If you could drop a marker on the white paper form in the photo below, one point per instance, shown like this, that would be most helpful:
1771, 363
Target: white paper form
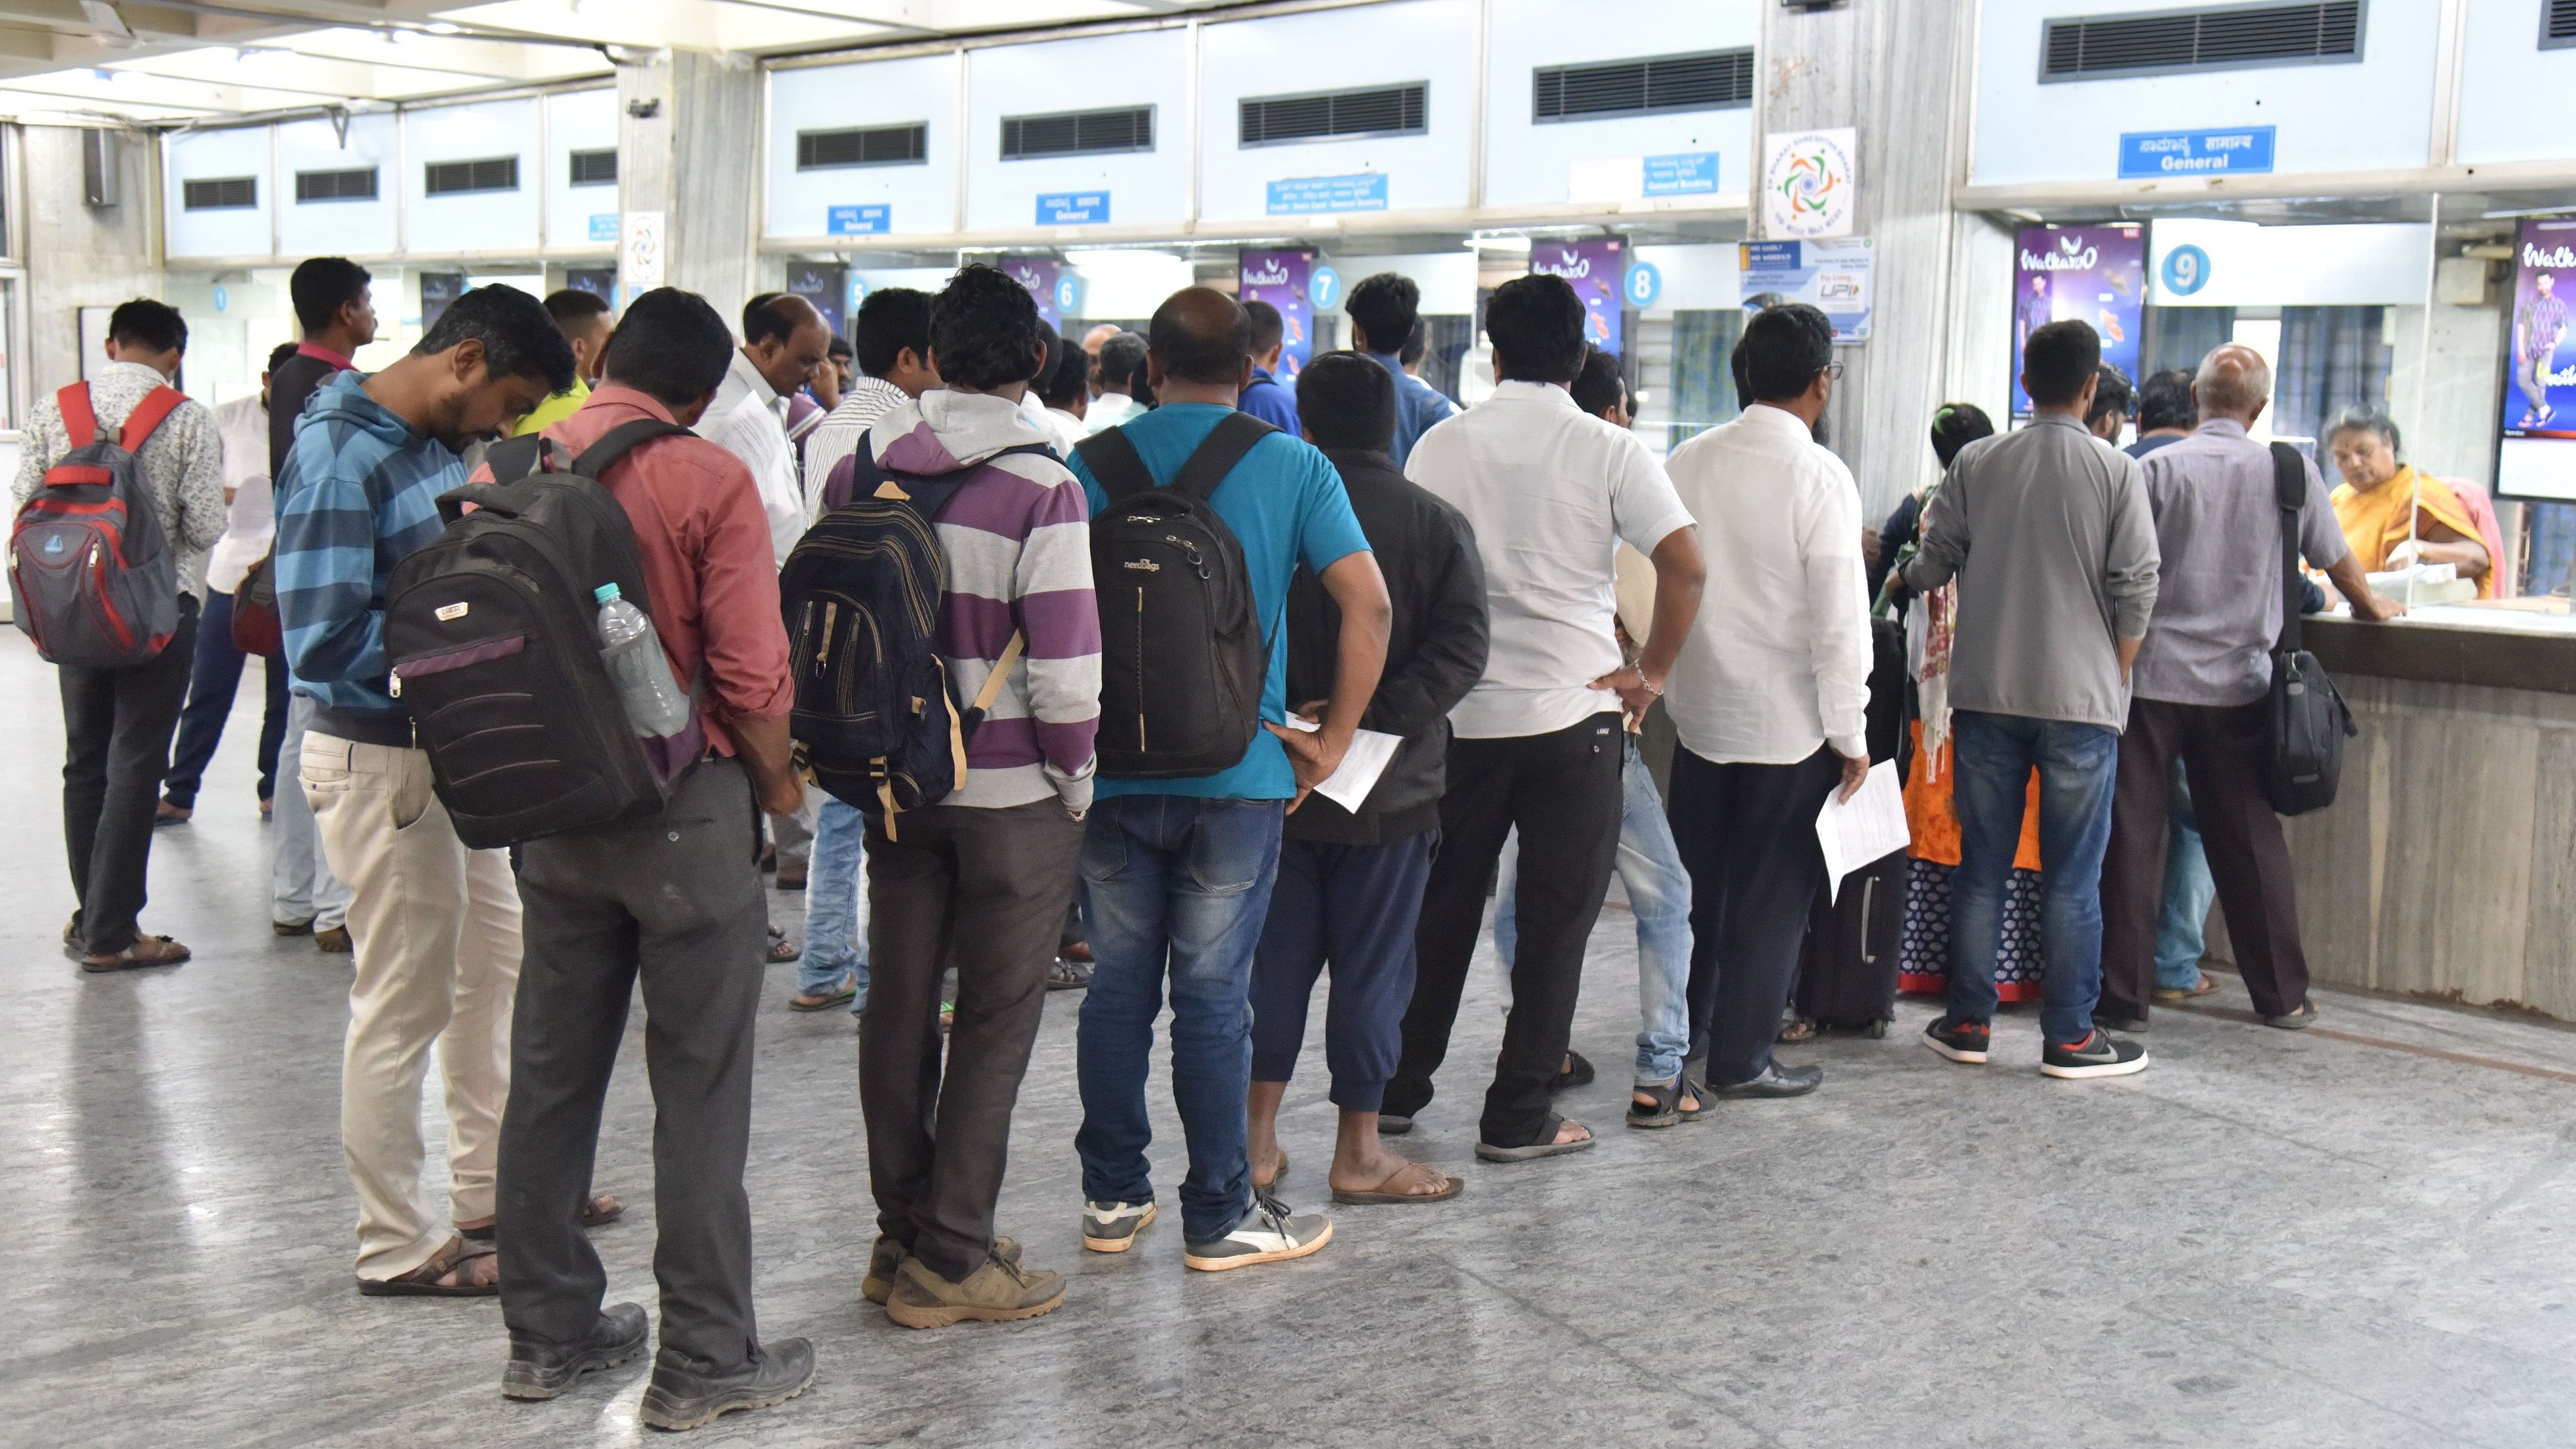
1867, 827
1362, 763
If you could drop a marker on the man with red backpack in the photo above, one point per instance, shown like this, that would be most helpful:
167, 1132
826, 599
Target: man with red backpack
99, 537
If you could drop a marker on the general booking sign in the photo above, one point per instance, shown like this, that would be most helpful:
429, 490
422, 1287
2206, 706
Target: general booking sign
2094, 274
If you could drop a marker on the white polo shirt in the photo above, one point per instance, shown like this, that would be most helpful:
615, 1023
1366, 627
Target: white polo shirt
749, 420
1778, 661
1551, 490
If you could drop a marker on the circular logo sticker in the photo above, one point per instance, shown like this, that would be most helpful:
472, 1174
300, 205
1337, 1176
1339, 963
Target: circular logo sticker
1807, 185
2186, 270
1324, 288
1645, 284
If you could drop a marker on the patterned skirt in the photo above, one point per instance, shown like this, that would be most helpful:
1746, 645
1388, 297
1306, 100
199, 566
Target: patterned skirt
1923, 951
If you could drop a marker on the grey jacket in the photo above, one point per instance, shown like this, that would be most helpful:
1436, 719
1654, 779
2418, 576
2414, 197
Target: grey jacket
2049, 534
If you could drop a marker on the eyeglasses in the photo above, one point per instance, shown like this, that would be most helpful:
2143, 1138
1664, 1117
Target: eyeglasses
1834, 370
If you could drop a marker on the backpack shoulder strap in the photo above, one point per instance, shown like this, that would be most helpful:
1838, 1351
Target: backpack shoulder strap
618, 441
2290, 491
148, 414
855, 477
80, 421
1215, 457
1115, 464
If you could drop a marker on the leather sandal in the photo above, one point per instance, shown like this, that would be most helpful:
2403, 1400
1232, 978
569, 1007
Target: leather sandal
456, 1257
146, 951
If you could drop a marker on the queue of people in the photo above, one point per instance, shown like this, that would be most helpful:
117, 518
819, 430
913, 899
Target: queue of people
1505, 592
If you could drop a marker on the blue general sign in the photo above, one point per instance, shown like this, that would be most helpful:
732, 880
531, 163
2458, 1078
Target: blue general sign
1073, 208
1307, 195
2244, 150
858, 221
1324, 288
603, 226
1682, 174
1645, 284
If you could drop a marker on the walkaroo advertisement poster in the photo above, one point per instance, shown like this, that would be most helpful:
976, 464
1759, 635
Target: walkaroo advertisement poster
1597, 271
1038, 274
2536, 455
2097, 274
1279, 278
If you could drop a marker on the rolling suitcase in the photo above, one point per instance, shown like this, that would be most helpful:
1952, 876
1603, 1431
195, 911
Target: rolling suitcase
1847, 969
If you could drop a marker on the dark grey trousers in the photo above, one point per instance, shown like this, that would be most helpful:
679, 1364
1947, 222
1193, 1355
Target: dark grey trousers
985, 891
674, 902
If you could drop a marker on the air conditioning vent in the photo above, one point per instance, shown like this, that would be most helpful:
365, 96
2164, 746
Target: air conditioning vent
456, 178
1078, 133
2557, 24
907, 145
1713, 80
356, 185
1384, 111
2225, 38
221, 193
595, 168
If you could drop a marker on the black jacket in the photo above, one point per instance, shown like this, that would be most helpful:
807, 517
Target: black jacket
288, 387
1435, 648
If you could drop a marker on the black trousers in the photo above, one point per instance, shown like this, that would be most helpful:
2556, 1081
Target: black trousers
1562, 790
2221, 748
672, 901
1356, 906
986, 891
1747, 835
116, 736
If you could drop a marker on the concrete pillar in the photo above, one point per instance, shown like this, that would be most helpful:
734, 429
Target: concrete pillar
696, 158
80, 255
1896, 72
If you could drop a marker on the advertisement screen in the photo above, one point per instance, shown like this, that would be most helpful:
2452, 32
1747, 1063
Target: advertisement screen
2536, 456
1280, 278
2094, 273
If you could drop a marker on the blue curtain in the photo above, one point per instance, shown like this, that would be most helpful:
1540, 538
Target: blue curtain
2331, 358
2181, 337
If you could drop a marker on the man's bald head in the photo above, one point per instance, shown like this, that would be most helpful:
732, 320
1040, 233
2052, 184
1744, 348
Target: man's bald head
1092, 339
1201, 335
2234, 382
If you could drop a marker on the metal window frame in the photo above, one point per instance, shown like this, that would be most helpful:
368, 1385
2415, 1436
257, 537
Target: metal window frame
2548, 41
921, 160
1424, 85
2360, 43
1153, 121
375, 172
1747, 51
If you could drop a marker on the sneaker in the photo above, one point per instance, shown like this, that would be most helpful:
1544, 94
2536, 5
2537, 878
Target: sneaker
1111, 1227
680, 1397
1266, 1234
1960, 1041
888, 1255
543, 1370
2100, 1054
997, 1292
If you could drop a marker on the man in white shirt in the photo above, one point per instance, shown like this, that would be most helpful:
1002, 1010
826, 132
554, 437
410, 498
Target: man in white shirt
1550, 491
1122, 360
784, 341
1065, 390
890, 341
1770, 695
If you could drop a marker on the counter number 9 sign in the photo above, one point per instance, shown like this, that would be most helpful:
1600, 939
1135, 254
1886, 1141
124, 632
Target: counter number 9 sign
2186, 270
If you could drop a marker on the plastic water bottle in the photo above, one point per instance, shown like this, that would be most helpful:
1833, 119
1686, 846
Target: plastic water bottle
655, 703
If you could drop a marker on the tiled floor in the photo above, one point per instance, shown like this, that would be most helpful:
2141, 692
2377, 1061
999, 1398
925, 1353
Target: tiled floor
2365, 1235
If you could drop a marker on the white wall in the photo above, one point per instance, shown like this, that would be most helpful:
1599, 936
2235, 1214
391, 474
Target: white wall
337, 228
920, 198
578, 121
2509, 86
201, 155
1526, 161
1336, 50
481, 221
2365, 115
1447, 279
1140, 69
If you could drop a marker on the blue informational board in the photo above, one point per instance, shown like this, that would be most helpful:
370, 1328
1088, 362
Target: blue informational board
1685, 173
603, 226
2245, 150
1308, 195
858, 221
1073, 208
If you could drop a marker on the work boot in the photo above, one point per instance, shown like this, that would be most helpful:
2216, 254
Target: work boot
997, 1292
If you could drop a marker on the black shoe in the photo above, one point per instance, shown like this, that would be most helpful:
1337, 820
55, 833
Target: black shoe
1777, 1081
543, 1370
1960, 1041
680, 1397
2100, 1054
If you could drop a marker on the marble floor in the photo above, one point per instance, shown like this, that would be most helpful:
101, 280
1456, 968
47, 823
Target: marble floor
2360, 1236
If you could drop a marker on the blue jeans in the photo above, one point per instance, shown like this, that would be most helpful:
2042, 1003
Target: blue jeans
1175, 886
1650, 870
835, 947
301, 886
2188, 892
2077, 765
214, 677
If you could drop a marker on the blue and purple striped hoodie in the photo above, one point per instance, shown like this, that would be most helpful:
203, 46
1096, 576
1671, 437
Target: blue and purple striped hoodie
1017, 535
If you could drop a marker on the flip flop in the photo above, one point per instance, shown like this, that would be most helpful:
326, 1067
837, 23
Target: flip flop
807, 1001
781, 950
422, 1282
1545, 1146
1575, 1072
167, 952
1379, 1196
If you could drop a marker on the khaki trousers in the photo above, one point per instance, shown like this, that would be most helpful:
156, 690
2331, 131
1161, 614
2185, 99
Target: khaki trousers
436, 931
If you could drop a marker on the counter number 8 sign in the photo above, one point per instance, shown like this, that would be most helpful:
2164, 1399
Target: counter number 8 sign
2186, 270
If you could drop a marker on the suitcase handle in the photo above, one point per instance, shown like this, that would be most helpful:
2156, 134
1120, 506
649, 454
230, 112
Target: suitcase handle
1868, 911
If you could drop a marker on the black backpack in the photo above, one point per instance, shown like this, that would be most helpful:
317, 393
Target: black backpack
2308, 720
1182, 661
876, 719
494, 639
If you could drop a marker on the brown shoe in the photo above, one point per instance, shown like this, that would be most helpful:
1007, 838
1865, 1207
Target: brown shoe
888, 1255
332, 941
997, 1292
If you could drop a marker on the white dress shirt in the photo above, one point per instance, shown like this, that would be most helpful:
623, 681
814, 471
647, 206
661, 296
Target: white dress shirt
1109, 410
1062, 429
250, 519
1778, 662
749, 420
837, 436
1550, 490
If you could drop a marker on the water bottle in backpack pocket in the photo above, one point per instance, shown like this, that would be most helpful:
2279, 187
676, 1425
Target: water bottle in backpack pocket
92, 579
655, 704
